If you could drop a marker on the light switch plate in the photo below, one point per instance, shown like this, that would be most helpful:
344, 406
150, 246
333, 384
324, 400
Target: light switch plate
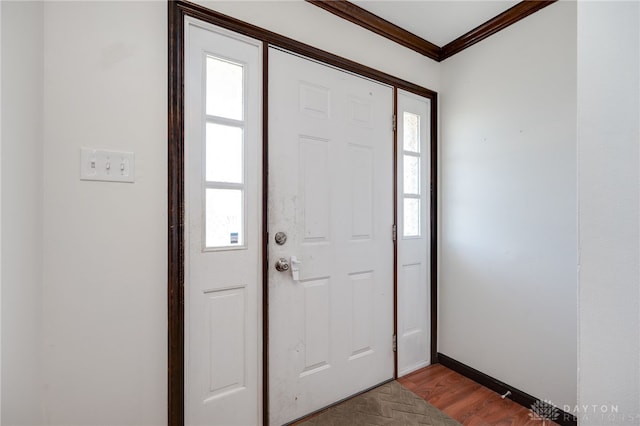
108, 166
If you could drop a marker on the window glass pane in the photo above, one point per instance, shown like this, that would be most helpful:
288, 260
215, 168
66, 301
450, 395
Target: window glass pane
411, 132
224, 89
224, 213
411, 175
224, 153
411, 217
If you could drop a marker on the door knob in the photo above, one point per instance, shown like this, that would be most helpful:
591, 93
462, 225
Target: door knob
282, 264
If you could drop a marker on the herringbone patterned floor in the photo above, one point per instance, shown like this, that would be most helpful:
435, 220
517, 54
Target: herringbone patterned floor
390, 404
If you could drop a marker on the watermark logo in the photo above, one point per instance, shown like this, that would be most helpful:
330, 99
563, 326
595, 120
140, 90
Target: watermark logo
543, 411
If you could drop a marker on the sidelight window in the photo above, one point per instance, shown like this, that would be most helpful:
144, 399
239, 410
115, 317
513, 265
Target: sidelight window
224, 206
411, 175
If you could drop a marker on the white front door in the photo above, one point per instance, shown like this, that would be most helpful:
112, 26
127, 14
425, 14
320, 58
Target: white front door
223, 252
331, 193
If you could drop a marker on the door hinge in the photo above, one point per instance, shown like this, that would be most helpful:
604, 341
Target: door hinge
395, 343
394, 232
395, 122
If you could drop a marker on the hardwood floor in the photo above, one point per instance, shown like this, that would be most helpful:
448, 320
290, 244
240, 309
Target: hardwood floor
465, 400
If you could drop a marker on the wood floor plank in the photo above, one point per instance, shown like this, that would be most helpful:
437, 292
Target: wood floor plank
465, 400
472, 404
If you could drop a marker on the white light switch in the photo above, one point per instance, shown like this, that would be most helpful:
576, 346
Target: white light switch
110, 166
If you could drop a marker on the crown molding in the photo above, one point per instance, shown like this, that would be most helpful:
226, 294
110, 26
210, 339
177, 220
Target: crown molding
359, 16
368, 20
492, 26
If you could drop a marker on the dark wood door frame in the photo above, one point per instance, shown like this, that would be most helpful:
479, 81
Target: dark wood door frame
178, 10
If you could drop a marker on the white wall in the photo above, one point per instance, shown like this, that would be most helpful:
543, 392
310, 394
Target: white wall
22, 70
608, 211
105, 244
508, 202
309, 24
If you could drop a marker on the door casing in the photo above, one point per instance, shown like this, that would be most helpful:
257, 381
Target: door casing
178, 10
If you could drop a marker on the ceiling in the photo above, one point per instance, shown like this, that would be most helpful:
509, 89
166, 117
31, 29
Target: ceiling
439, 22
